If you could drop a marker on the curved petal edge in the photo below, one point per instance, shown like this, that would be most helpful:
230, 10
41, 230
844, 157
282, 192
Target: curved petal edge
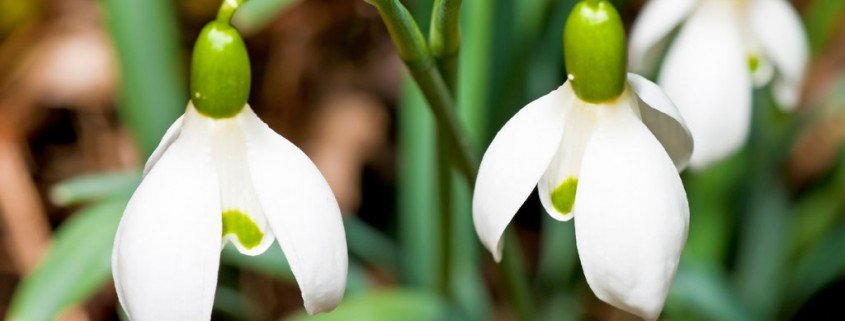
514, 163
302, 212
664, 120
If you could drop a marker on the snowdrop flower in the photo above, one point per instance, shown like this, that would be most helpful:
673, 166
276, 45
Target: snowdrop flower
723, 49
222, 175
604, 147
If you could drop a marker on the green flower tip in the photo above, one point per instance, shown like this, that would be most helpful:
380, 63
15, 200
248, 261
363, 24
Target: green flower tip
242, 227
563, 197
595, 52
220, 72
753, 63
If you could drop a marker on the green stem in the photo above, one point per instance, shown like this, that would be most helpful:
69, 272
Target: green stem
444, 178
414, 51
512, 270
445, 39
227, 9
421, 64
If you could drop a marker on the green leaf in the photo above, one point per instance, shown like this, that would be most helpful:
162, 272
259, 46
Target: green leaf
272, 262
253, 15
76, 266
153, 89
384, 305
369, 244
706, 292
558, 254
821, 265
93, 187
416, 193
821, 18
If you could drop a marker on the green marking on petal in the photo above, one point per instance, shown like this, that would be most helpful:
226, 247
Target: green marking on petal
243, 227
753, 63
563, 197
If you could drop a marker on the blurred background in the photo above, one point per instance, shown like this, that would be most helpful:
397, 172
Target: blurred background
88, 87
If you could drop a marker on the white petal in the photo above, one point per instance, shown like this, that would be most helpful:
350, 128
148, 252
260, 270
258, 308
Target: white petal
565, 168
302, 211
656, 20
706, 75
244, 220
781, 34
167, 248
169, 137
632, 215
514, 162
663, 119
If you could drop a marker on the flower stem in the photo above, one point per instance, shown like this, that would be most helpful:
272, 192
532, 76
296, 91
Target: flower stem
445, 39
422, 66
512, 270
227, 9
414, 51
444, 180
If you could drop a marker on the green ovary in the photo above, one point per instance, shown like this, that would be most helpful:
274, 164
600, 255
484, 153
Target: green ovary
243, 227
563, 197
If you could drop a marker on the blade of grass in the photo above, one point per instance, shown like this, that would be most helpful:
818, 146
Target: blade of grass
93, 187
153, 91
417, 229
369, 244
706, 292
254, 15
384, 305
821, 265
472, 97
76, 266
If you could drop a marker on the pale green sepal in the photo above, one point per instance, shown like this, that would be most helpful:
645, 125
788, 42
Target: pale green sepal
595, 52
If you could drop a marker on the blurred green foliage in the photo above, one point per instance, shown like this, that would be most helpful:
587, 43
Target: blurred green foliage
77, 265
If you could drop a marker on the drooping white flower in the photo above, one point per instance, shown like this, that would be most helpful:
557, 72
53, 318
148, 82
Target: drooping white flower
615, 166
722, 50
221, 175
216, 180
605, 149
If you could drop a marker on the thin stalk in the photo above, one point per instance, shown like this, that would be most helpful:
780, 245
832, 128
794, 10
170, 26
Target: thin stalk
512, 270
415, 53
444, 180
445, 39
417, 56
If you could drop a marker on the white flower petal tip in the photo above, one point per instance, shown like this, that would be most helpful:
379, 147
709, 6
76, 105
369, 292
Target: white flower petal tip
302, 212
779, 30
167, 248
655, 22
633, 215
711, 88
514, 163
664, 120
